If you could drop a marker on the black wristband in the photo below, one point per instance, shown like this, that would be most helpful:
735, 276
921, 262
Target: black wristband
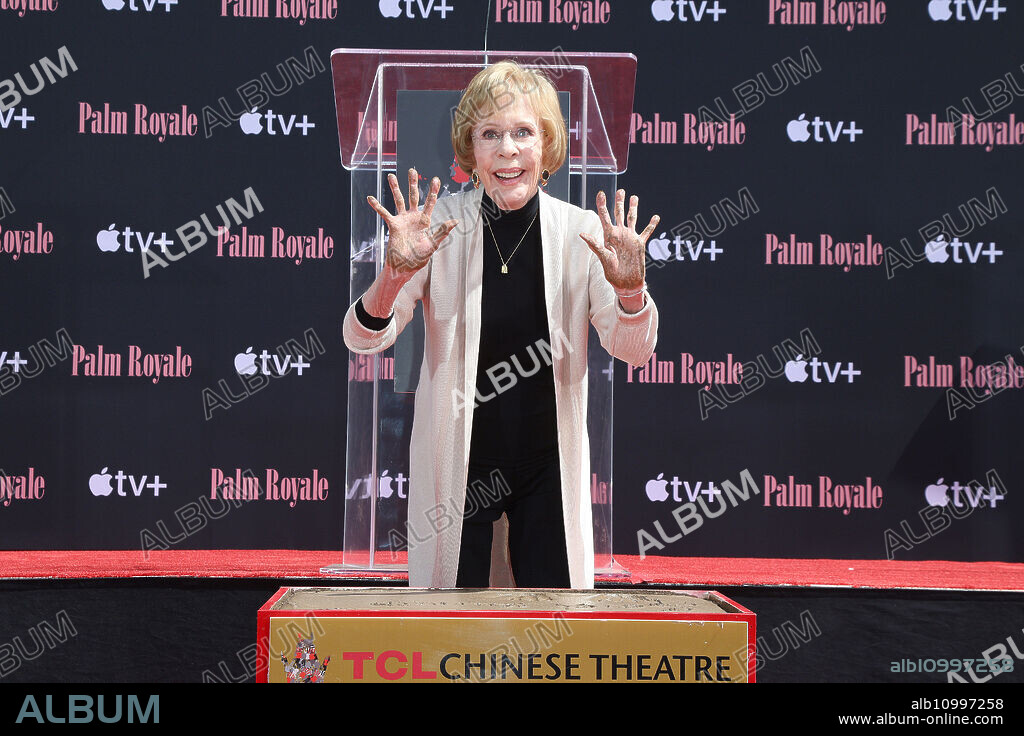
369, 321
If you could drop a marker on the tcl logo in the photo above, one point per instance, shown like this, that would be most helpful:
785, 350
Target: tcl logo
389, 665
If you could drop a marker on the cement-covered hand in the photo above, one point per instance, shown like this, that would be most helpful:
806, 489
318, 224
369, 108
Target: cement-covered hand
410, 240
622, 253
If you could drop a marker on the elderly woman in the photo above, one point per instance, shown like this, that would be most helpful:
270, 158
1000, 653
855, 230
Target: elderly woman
509, 280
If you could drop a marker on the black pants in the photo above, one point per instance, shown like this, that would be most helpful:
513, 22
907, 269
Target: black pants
530, 494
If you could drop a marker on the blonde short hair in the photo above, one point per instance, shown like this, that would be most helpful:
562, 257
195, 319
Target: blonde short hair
497, 87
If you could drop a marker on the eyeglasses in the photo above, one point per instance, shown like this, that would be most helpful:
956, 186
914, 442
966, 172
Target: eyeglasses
521, 137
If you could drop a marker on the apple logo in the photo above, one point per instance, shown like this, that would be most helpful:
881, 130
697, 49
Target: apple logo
390, 8
936, 494
245, 363
113, 4
797, 129
656, 489
796, 370
662, 9
385, 489
659, 248
251, 122
107, 239
99, 483
939, 10
935, 250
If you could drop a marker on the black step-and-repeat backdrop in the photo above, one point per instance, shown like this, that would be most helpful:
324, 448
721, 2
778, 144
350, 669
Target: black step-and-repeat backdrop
840, 362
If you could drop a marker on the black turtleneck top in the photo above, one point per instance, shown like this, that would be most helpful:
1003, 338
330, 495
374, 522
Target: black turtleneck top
519, 423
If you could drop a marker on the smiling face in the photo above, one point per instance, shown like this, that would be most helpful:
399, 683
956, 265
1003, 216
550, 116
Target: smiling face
509, 149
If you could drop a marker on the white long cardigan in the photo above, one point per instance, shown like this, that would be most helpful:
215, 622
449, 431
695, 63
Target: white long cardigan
576, 291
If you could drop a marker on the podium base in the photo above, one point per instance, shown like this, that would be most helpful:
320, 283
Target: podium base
341, 569
611, 570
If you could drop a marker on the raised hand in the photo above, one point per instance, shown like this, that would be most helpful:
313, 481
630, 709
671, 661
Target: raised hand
622, 253
410, 240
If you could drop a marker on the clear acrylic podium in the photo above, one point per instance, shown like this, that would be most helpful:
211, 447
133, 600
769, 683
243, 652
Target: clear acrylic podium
366, 86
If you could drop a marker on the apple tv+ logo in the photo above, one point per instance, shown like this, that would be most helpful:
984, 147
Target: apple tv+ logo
252, 123
657, 489
942, 10
686, 10
250, 363
796, 370
799, 130
100, 483
423, 8
139, 5
937, 494
662, 249
107, 239
936, 251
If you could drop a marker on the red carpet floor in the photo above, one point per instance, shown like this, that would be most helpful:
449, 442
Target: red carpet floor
703, 571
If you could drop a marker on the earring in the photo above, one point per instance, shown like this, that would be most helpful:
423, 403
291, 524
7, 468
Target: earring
476, 179
544, 177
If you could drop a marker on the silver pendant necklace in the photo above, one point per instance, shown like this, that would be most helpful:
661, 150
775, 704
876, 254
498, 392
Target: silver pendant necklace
504, 261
